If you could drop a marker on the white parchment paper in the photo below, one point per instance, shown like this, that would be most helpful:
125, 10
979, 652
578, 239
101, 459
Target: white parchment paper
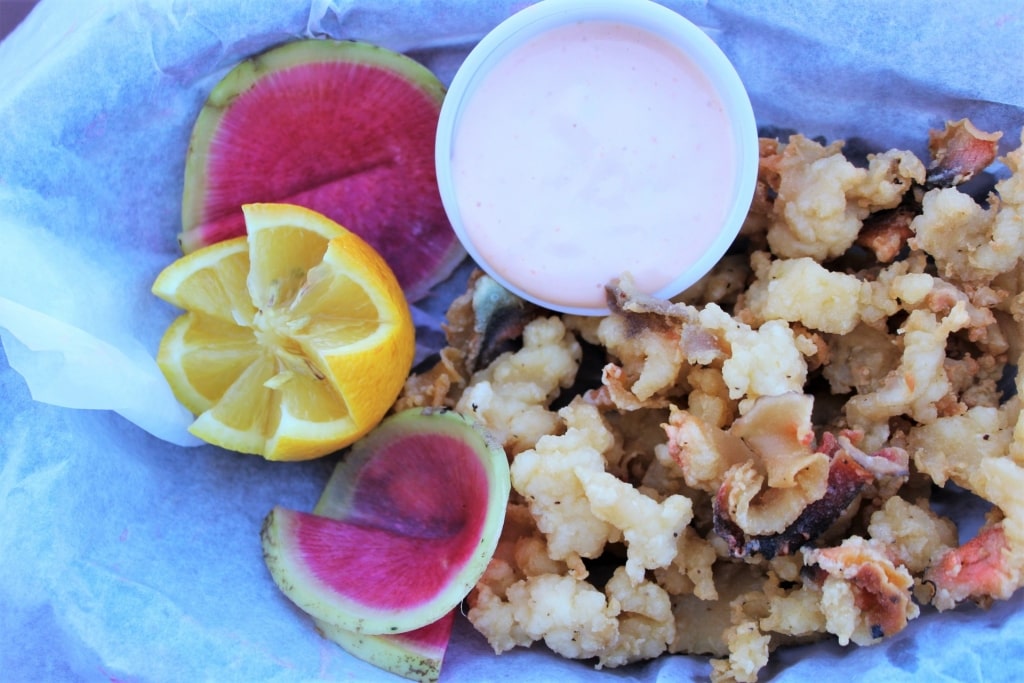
128, 553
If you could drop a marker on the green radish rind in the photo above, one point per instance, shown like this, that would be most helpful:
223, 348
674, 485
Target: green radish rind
400, 653
290, 568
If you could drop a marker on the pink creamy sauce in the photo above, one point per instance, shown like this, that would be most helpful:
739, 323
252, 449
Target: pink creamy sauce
593, 149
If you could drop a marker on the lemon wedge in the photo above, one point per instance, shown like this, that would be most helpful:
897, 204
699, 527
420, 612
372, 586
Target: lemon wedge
295, 341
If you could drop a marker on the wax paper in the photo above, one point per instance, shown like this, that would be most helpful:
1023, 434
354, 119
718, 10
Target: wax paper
127, 552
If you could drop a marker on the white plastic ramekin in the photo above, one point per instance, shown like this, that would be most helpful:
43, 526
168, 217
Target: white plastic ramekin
649, 16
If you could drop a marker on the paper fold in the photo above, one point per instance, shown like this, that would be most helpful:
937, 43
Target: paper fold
68, 367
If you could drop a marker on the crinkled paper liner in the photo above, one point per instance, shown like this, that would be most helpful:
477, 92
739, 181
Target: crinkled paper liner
125, 555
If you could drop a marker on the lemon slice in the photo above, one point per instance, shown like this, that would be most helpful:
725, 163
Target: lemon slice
295, 341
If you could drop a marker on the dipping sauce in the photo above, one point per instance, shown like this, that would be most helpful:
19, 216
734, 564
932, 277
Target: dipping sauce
593, 149
584, 140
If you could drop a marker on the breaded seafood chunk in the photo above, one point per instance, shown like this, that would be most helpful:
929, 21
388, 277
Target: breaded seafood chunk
758, 462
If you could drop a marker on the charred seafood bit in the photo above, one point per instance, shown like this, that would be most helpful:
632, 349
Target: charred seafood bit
959, 152
886, 233
845, 480
751, 464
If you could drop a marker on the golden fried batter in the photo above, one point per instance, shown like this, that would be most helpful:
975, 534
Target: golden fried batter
750, 465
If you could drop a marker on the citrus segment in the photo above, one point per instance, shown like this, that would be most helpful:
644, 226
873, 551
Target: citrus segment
201, 356
211, 281
296, 340
280, 258
241, 419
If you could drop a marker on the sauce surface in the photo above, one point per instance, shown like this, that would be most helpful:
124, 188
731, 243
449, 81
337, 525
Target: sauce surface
591, 150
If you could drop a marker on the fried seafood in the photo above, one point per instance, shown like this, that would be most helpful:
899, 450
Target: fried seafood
959, 152
752, 464
822, 199
864, 594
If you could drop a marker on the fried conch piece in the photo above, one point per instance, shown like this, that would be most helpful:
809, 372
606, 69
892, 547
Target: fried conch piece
580, 507
823, 199
625, 623
512, 395
959, 152
865, 597
774, 488
971, 243
886, 233
767, 361
914, 534
982, 569
646, 623
651, 341
571, 616
649, 528
802, 290
861, 360
546, 477
650, 360
849, 473
783, 475
655, 342
919, 385
703, 451
481, 324
978, 451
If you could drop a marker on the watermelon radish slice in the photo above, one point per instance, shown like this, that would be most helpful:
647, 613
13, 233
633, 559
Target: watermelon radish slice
416, 655
341, 127
404, 529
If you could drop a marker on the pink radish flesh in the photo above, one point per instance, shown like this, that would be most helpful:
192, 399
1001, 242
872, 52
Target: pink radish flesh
343, 134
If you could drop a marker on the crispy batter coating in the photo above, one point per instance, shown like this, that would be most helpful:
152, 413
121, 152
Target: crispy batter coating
823, 198
971, 243
512, 395
750, 465
913, 533
802, 290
